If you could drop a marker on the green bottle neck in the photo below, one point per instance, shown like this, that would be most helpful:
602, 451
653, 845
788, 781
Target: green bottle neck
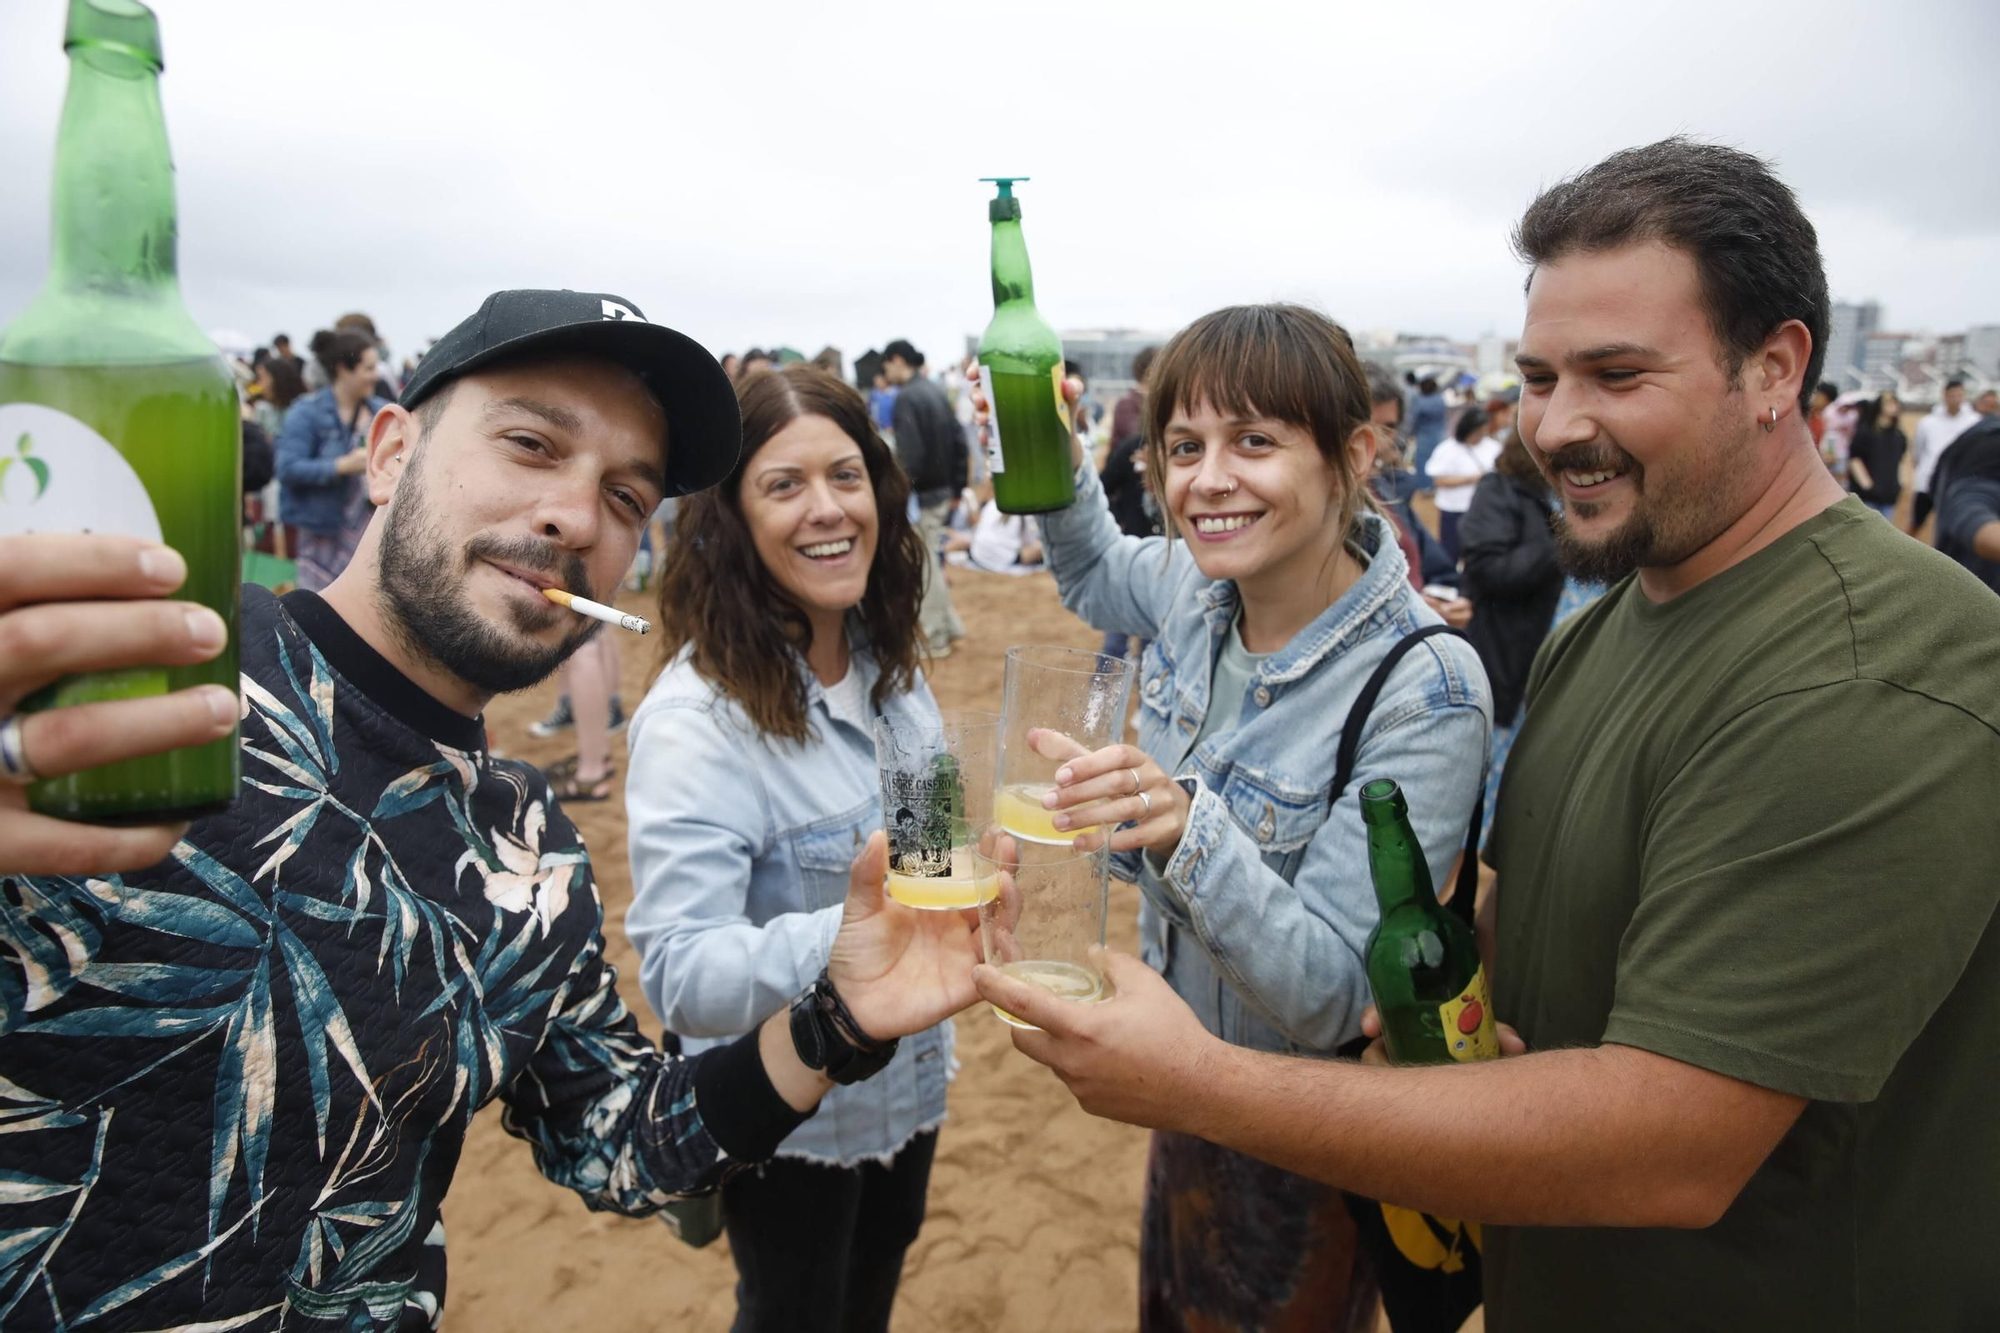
1013, 279
1396, 864
114, 228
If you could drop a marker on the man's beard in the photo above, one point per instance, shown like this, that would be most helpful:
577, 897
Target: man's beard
1661, 530
423, 592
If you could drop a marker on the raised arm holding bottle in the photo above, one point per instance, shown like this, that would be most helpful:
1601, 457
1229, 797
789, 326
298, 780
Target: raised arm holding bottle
1278, 593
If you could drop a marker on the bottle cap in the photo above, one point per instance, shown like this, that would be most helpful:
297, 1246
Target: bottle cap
124, 25
1004, 206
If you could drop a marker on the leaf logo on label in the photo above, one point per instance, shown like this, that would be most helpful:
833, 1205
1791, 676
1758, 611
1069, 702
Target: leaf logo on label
62, 476
38, 469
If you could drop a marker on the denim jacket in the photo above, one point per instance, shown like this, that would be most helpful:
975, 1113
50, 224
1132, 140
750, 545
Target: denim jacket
1260, 917
741, 845
311, 494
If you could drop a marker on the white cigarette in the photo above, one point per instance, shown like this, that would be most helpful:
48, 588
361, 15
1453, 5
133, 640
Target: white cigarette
610, 615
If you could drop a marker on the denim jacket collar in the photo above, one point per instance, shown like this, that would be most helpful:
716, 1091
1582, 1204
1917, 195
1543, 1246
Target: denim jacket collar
1334, 628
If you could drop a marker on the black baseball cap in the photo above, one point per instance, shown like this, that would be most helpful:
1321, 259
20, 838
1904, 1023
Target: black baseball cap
704, 433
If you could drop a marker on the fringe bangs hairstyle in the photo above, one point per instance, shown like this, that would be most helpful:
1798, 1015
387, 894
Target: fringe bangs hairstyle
716, 594
1281, 362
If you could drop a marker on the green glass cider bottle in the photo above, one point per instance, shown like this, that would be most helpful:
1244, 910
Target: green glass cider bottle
1423, 963
116, 412
1021, 365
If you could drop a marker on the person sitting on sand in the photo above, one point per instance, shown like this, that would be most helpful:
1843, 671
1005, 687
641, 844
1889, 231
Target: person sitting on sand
997, 543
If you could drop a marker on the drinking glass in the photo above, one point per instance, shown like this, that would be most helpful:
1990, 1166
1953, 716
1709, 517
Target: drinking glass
1047, 911
938, 777
1079, 693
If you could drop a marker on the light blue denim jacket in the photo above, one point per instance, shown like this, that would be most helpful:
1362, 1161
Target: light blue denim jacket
1259, 918
741, 845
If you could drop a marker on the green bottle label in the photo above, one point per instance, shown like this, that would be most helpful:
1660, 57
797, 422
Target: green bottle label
59, 475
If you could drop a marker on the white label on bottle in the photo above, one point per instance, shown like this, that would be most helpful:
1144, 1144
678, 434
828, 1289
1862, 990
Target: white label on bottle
996, 461
59, 475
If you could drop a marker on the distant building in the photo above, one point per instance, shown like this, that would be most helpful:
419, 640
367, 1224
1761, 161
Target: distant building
1982, 350
1949, 360
1847, 343
1882, 356
1495, 354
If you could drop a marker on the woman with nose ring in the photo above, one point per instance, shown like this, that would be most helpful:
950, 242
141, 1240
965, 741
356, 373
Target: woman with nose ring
1277, 591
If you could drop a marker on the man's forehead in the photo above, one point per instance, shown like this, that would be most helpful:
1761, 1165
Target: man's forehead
1646, 293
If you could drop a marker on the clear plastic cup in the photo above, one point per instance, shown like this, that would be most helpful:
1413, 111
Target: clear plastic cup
1079, 693
1046, 914
937, 793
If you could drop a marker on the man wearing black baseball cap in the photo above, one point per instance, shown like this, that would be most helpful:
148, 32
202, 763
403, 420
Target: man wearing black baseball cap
257, 1058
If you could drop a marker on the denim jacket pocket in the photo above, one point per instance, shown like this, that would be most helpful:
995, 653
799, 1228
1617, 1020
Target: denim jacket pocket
825, 850
1279, 817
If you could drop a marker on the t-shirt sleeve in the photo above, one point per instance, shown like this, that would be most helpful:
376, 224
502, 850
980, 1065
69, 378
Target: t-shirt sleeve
1813, 881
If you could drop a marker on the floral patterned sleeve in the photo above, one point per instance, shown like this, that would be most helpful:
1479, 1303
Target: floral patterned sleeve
630, 1127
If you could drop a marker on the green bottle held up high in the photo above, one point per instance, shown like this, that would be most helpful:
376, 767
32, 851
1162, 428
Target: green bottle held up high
116, 413
1423, 964
1021, 365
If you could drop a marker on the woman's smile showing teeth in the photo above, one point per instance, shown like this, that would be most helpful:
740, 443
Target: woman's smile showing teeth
828, 550
1222, 525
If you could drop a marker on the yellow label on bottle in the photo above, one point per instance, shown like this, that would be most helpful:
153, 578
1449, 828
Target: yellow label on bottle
1468, 1022
1062, 408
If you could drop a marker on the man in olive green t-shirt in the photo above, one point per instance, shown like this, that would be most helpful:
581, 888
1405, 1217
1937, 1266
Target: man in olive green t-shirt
1747, 847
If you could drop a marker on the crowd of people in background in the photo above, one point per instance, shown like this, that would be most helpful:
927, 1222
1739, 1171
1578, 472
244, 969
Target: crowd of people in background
1485, 563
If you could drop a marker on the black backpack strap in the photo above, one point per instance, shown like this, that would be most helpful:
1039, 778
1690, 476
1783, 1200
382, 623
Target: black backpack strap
1467, 888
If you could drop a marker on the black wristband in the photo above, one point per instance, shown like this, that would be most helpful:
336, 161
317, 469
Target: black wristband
827, 1038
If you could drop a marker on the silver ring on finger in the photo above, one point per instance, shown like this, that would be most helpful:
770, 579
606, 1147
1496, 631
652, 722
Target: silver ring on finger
1136, 784
14, 765
1146, 801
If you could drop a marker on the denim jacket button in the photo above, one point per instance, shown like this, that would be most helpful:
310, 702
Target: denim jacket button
1153, 688
1267, 827
1263, 696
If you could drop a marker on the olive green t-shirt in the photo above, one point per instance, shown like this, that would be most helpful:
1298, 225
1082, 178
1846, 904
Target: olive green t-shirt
1757, 829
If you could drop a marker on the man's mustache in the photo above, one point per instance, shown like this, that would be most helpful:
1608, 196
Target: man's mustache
527, 553
1589, 458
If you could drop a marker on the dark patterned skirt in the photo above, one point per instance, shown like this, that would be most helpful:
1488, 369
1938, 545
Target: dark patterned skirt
1230, 1244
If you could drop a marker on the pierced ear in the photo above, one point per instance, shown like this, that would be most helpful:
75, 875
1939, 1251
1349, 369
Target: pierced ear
391, 439
1782, 362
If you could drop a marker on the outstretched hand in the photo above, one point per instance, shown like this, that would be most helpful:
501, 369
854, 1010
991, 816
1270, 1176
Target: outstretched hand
899, 970
1138, 1056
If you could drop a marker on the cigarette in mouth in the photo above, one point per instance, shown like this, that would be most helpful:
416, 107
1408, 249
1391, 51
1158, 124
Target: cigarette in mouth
610, 615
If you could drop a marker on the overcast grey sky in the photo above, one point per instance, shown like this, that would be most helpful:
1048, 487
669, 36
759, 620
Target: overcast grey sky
807, 173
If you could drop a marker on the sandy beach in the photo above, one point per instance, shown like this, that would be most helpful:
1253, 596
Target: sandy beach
1034, 1206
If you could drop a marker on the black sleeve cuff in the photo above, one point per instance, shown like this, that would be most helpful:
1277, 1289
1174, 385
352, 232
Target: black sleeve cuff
742, 1112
